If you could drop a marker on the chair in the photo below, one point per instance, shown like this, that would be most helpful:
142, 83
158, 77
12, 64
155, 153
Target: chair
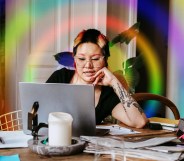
149, 96
11, 121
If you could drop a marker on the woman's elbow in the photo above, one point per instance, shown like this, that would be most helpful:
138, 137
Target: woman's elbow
142, 123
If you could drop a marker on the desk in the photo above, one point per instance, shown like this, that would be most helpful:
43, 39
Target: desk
27, 155
147, 132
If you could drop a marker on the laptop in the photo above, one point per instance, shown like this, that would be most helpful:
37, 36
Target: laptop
77, 100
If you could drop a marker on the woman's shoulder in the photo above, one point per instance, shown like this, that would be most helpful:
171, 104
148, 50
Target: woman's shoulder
61, 76
64, 71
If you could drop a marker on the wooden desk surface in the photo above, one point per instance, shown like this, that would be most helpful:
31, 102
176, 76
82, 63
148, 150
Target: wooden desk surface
148, 132
26, 154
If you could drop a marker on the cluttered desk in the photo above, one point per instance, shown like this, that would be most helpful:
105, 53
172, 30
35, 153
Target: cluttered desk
114, 142
139, 144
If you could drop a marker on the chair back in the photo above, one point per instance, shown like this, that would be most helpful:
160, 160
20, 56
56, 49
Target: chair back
11, 121
162, 99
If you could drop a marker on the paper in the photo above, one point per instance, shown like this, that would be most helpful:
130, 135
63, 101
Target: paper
14, 139
150, 142
166, 149
117, 130
139, 144
134, 152
169, 128
151, 155
10, 158
144, 154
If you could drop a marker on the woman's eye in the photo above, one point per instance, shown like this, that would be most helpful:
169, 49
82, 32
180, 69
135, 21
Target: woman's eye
95, 59
82, 59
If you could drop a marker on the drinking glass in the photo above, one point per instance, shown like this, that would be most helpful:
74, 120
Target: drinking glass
109, 148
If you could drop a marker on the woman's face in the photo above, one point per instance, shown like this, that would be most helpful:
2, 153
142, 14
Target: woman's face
88, 60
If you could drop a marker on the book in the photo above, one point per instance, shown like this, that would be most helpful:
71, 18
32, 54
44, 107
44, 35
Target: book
165, 121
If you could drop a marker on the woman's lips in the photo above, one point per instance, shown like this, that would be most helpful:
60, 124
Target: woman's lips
89, 73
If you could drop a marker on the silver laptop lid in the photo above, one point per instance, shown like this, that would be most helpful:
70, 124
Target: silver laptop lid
78, 100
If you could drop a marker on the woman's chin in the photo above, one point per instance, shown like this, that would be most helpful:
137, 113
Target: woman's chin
88, 80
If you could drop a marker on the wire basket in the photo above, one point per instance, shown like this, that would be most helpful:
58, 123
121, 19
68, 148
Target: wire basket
11, 121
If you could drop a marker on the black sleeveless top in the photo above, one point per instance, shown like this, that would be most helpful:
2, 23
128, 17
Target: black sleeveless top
108, 99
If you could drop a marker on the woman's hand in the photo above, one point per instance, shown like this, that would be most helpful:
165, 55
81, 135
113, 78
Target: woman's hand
128, 111
103, 77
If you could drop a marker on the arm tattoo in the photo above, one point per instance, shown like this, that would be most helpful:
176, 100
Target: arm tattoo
126, 99
138, 107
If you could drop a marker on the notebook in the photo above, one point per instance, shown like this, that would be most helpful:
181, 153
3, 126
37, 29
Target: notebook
77, 100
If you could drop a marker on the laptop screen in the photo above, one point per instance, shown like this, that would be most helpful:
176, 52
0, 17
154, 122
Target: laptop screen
77, 100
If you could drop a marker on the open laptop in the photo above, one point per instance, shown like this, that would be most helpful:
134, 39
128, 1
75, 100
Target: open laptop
77, 100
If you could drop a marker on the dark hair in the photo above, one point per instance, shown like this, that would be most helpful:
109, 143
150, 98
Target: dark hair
93, 36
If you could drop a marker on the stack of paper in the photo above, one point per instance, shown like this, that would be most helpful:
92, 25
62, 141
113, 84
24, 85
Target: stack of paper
167, 124
147, 149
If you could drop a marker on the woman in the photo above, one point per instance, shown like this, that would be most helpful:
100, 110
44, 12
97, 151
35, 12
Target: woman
91, 51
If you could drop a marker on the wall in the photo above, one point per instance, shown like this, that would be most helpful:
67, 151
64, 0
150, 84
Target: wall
153, 16
2, 55
28, 26
176, 55
36, 30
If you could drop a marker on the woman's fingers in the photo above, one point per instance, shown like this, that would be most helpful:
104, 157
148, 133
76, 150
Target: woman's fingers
99, 77
102, 77
99, 73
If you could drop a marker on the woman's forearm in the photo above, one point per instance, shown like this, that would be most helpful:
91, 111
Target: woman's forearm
125, 97
134, 112
128, 111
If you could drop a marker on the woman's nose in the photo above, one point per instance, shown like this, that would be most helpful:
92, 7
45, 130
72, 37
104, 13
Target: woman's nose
89, 64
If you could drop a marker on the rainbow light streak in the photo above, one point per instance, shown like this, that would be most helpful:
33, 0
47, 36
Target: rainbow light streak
153, 64
177, 39
152, 5
15, 29
154, 74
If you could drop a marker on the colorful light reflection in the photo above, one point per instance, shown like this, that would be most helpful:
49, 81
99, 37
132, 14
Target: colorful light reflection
153, 63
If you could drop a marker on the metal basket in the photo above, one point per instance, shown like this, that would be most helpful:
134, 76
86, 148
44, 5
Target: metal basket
11, 121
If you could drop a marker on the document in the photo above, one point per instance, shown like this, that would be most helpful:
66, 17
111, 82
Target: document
135, 149
152, 155
149, 142
166, 149
14, 139
117, 130
169, 128
133, 145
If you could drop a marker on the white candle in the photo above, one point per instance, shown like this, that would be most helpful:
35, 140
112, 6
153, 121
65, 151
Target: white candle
60, 129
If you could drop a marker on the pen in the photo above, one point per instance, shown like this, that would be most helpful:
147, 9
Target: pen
119, 127
2, 140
